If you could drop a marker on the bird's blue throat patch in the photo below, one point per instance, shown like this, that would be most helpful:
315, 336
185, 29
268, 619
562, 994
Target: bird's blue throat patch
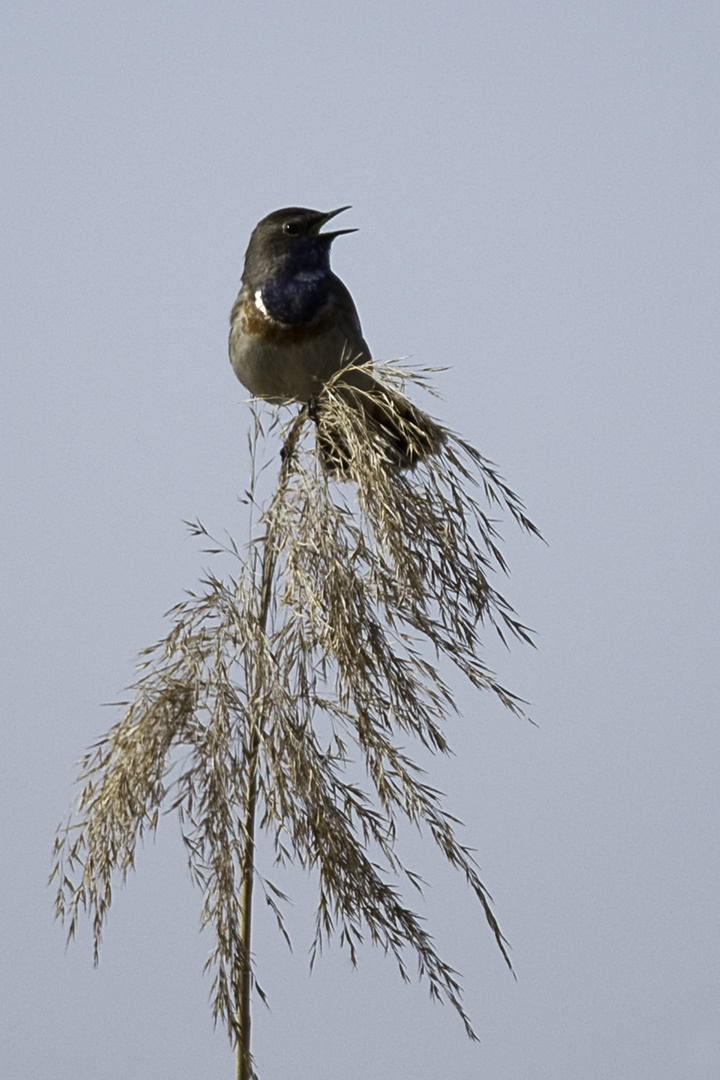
296, 298
298, 293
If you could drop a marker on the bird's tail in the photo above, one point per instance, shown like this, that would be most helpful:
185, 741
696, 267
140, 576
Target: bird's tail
361, 420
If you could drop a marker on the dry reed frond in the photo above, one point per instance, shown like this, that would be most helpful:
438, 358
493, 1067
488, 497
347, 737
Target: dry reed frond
348, 595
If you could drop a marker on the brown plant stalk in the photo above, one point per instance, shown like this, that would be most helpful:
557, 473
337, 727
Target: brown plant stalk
316, 657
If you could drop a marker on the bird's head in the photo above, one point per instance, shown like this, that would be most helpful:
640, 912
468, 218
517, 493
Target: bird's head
290, 241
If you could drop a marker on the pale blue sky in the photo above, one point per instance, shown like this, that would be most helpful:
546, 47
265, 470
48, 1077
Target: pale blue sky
536, 187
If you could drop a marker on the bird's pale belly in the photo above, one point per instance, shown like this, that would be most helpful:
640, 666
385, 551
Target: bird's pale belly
287, 371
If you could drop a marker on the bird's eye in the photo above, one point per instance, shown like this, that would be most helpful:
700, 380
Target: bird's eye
291, 228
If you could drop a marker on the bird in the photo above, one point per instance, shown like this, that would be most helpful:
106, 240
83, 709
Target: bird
294, 327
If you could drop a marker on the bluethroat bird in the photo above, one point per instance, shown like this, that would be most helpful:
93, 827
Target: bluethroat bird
294, 326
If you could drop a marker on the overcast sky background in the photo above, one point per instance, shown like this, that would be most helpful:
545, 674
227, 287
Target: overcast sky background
536, 186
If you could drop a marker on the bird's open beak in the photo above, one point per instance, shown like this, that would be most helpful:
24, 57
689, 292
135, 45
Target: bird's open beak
324, 220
